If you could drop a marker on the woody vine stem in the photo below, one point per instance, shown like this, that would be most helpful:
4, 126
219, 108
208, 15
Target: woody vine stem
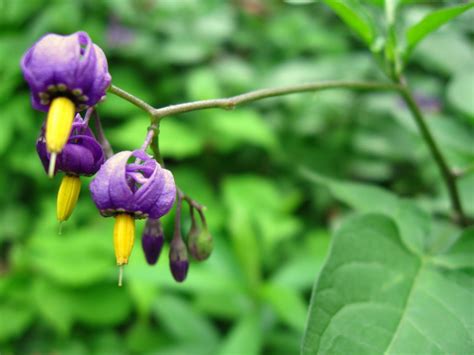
156, 114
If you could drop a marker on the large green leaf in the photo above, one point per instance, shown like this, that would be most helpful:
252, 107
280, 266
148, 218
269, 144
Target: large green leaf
431, 22
376, 296
412, 221
355, 16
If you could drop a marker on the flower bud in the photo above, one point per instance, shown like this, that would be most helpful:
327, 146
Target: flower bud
179, 263
152, 240
200, 243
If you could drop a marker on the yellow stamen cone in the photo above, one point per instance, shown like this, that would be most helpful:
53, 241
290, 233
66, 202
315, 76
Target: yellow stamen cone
124, 236
67, 196
58, 127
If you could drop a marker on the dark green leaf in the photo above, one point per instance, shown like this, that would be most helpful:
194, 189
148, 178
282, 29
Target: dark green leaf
376, 296
355, 16
431, 22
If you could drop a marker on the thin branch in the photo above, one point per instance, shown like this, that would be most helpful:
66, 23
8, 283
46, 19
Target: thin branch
131, 98
448, 176
231, 102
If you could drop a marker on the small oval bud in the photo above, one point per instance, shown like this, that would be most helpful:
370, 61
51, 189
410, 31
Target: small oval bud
200, 244
179, 262
152, 240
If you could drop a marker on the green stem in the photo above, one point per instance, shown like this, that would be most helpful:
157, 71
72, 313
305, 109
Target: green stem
233, 101
155, 144
131, 98
448, 176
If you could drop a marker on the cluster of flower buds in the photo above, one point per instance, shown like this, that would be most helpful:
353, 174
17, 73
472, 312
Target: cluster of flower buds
66, 75
199, 241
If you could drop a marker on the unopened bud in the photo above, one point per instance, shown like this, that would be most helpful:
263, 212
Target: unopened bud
200, 243
152, 240
179, 262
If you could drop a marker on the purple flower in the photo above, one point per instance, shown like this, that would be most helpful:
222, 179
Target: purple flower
69, 66
82, 154
133, 183
152, 240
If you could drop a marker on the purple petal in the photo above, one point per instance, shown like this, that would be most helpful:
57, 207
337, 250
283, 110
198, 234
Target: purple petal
101, 185
73, 61
166, 199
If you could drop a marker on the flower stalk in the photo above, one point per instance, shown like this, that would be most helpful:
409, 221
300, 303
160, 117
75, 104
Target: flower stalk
157, 114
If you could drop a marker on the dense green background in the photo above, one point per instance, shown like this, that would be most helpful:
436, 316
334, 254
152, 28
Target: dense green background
250, 167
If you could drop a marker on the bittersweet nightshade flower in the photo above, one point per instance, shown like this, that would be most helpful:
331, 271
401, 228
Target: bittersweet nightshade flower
152, 240
82, 156
131, 185
65, 74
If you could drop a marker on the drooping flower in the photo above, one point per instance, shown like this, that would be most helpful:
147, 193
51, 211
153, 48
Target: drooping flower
65, 74
131, 185
152, 240
82, 156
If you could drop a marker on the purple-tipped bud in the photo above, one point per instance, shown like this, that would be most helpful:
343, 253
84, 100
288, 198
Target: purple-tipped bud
179, 262
152, 240
200, 243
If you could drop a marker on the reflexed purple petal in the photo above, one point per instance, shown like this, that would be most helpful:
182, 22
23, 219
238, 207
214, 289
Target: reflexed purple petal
73, 61
83, 155
166, 199
100, 185
120, 193
141, 187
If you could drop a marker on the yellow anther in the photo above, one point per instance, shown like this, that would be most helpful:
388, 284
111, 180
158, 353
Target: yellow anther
124, 236
67, 197
58, 125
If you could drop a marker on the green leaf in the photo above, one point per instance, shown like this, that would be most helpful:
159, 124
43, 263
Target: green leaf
102, 305
287, 303
54, 305
412, 221
230, 130
376, 296
183, 322
431, 22
244, 338
177, 139
19, 317
82, 259
354, 15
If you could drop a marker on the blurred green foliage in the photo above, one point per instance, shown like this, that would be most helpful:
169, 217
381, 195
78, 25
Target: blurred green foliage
271, 225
